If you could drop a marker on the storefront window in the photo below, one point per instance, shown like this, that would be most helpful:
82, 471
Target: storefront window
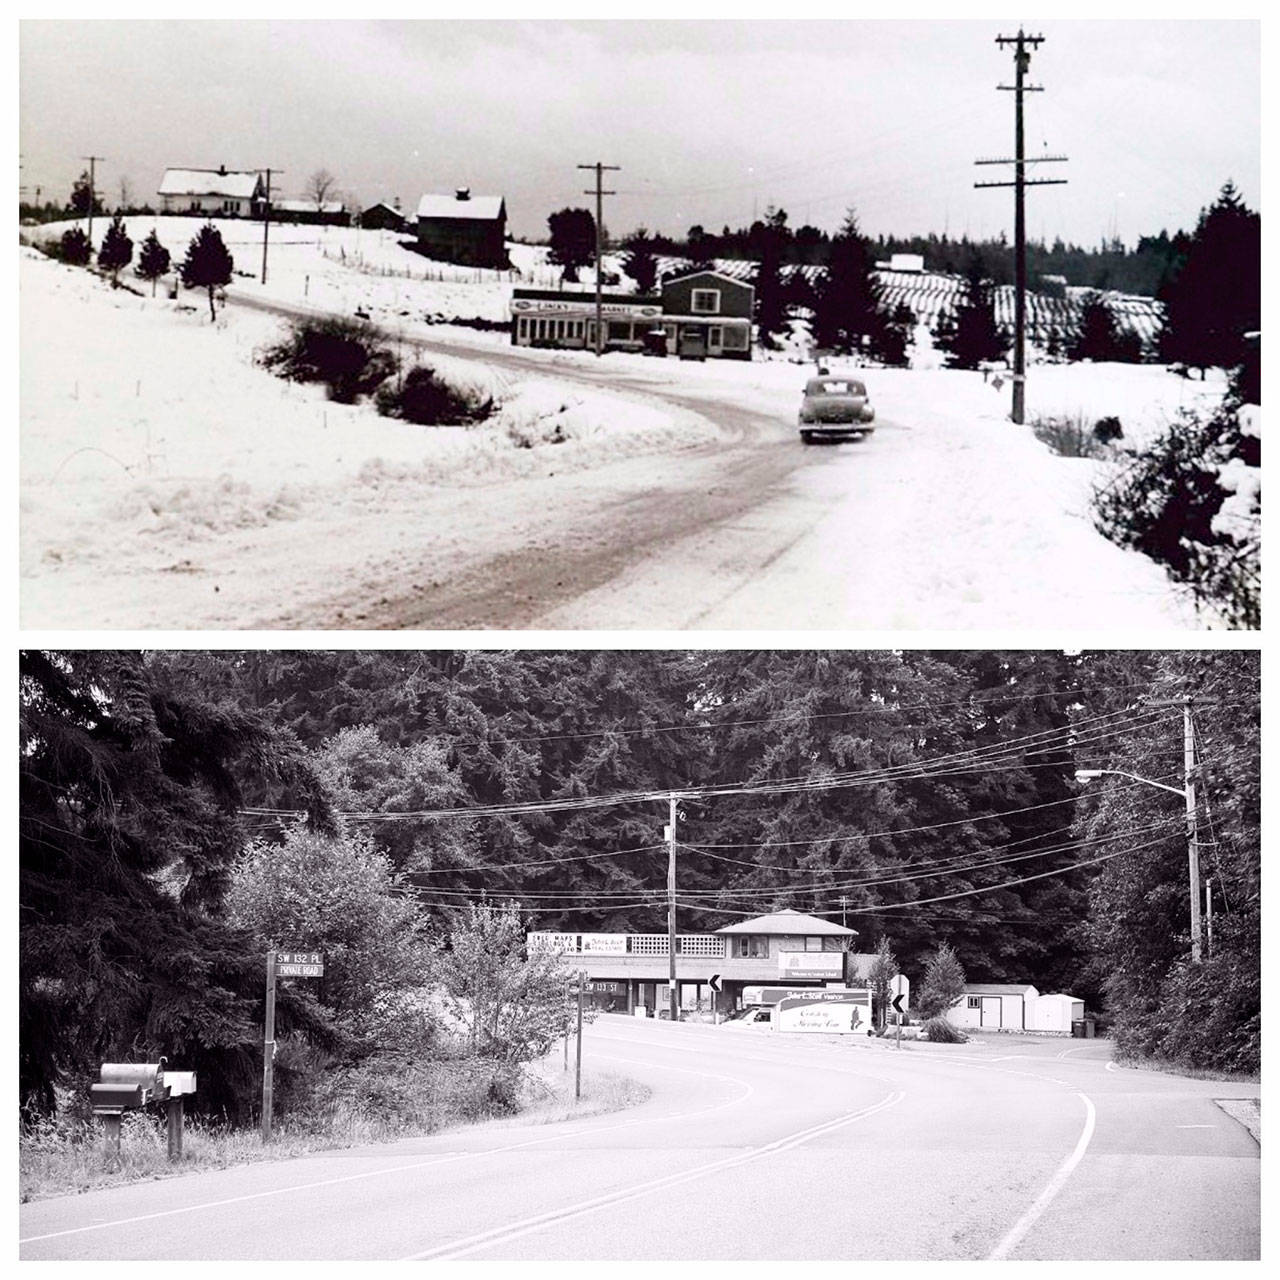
705, 302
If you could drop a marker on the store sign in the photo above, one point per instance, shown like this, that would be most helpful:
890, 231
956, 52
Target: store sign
604, 944
583, 306
825, 965
825, 1012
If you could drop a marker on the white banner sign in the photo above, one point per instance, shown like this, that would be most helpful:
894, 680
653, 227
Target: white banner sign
611, 944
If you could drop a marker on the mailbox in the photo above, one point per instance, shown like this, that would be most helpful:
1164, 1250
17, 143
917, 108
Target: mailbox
125, 1086
178, 1083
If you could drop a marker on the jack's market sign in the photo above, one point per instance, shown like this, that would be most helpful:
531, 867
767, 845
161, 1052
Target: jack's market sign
583, 306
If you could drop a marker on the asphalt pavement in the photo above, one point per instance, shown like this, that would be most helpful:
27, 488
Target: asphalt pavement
753, 1145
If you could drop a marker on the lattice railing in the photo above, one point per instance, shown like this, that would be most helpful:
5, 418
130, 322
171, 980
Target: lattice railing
704, 945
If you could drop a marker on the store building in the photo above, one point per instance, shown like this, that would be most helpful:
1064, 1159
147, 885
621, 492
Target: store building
695, 316
630, 971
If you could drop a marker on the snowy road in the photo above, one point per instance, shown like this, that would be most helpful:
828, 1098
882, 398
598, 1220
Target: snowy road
681, 497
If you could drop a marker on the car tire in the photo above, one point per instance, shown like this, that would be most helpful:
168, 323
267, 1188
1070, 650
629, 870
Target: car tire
806, 437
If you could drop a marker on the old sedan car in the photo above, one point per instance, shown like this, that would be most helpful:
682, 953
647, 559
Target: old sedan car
835, 406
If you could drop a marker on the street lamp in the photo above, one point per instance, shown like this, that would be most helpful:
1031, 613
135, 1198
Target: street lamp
1188, 794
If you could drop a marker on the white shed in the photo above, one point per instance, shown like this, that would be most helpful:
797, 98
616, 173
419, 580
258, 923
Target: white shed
994, 1006
1054, 1013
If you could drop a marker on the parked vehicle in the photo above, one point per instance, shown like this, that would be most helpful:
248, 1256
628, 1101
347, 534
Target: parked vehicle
756, 1018
835, 406
693, 344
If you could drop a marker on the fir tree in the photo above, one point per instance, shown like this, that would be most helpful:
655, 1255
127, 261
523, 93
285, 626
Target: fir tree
1100, 337
848, 308
153, 260
207, 265
639, 262
81, 190
943, 983
74, 247
116, 251
883, 970
977, 339
1213, 298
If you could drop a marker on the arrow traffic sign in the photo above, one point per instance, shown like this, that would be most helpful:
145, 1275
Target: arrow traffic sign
714, 982
897, 1003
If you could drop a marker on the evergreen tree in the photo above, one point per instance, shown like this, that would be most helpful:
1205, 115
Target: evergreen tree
153, 260
848, 309
573, 241
116, 251
1213, 295
977, 338
82, 194
74, 247
1099, 336
640, 263
128, 825
943, 984
883, 970
207, 265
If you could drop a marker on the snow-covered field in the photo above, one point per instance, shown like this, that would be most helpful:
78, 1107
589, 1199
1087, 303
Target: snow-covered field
153, 447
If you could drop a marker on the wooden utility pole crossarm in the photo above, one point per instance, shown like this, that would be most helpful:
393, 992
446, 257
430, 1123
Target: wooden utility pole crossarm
599, 194
1022, 44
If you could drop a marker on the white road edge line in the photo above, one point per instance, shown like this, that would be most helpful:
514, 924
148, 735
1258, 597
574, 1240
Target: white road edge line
514, 1230
1028, 1220
421, 1164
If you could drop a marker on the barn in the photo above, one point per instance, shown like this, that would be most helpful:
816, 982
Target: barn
464, 228
229, 193
383, 217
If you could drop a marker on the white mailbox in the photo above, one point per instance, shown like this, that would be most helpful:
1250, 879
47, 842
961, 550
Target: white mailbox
179, 1083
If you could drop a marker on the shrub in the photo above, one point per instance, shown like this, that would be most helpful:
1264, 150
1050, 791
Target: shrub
940, 1031
424, 397
1071, 437
1168, 502
348, 356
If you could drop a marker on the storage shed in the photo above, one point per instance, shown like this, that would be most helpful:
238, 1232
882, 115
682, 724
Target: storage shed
993, 1006
1054, 1013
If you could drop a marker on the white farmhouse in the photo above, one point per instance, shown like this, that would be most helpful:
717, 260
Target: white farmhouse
230, 193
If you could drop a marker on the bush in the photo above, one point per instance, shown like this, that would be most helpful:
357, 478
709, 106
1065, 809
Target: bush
348, 356
424, 397
1168, 502
1072, 437
75, 248
941, 1031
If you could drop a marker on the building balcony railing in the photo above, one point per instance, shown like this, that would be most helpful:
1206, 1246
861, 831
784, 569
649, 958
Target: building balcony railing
696, 945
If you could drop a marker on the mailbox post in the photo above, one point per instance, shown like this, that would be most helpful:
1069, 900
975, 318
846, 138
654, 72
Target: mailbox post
130, 1086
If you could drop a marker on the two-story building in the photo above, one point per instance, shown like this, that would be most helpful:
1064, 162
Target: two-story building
630, 971
224, 192
695, 315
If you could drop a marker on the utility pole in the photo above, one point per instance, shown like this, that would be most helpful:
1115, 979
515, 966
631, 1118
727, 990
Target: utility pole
1208, 915
266, 223
1021, 63
844, 910
577, 1077
671, 901
1193, 844
599, 194
93, 160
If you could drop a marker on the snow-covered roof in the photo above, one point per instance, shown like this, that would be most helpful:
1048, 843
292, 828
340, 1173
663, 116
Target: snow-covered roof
719, 275
308, 206
236, 183
486, 208
789, 922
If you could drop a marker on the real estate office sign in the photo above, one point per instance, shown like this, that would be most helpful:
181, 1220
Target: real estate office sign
826, 966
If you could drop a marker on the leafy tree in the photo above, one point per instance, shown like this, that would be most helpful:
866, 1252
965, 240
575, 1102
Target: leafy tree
116, 251
207, 265
153, 260
883, 970
83, 197
1213, 293
128, 825
511, 1003
1099, 336
75, 248
943, 983
639, 262
573, 240
338, 895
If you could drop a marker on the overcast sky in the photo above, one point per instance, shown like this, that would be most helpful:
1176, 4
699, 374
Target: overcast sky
711, 122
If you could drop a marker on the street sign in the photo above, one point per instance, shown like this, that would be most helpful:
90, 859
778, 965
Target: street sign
299, 964
897, 1004
714, 982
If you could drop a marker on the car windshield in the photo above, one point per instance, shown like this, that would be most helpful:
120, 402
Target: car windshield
834, 387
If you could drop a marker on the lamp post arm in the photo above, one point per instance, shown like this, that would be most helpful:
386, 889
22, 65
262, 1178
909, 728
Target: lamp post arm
1164, 786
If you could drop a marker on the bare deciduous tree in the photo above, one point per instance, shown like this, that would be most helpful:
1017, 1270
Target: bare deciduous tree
319, 185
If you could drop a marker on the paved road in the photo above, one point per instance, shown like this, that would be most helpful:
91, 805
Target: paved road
752, 1146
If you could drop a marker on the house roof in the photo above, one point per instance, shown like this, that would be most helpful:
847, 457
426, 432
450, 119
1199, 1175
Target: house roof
719, 275
789, 922
1059, 995
485, 208
308, 206
997, 988
382, 204
236, 183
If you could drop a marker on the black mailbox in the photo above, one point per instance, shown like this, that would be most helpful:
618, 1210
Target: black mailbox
125, 1086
